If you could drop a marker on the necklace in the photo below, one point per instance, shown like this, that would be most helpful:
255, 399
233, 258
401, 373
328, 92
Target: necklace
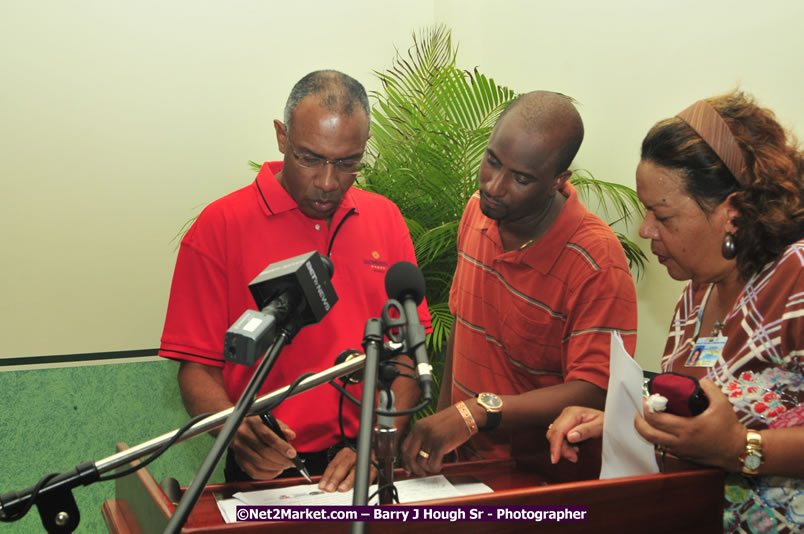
546, 215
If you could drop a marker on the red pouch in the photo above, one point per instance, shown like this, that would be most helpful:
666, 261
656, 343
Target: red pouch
684, 394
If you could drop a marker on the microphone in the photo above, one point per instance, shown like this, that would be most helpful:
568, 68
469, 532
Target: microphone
405, 283
293, 293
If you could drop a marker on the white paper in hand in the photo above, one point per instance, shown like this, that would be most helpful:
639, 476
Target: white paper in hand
625, 452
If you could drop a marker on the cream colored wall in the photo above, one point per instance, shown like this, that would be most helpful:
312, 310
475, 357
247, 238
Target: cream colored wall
120, 120
631, 63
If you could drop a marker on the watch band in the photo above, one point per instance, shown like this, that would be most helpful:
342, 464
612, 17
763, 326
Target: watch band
471, 425
493, 420
752, 457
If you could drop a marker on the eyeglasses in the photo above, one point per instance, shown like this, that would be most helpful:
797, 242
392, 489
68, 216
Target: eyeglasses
351, 166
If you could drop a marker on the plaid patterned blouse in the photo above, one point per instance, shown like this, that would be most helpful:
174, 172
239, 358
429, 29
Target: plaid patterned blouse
762, 373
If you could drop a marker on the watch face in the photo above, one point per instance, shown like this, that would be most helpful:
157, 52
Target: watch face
489, 400
752, 462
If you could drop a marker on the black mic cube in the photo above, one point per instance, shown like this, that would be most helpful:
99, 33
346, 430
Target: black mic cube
249, 337
295, 291
306, 272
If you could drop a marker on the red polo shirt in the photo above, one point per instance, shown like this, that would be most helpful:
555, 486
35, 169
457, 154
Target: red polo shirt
233, 240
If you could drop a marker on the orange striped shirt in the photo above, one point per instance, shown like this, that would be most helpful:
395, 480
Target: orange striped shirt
526, 319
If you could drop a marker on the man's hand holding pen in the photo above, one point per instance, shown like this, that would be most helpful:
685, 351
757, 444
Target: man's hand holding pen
259, 452
263, 450
272, 423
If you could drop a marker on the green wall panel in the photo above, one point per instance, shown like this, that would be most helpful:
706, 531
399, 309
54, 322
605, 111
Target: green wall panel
54, 419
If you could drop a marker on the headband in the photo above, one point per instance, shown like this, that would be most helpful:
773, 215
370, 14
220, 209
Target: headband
707, 123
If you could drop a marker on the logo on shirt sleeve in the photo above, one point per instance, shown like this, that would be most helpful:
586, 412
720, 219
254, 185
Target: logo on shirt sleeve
375, 263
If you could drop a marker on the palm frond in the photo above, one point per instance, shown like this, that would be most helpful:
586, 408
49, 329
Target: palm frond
633, 253
620, 197
442, 321
416, 230
436, 242
183, 230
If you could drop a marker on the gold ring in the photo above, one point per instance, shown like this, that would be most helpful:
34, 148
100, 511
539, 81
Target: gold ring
549, 426
424, 455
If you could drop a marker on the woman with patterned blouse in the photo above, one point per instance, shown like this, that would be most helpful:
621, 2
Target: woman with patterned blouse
723, 189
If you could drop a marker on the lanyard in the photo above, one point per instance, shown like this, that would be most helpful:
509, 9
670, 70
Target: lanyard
718, 324
698, 322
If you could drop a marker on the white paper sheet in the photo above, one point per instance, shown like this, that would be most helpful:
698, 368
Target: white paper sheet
411, 490
625, 452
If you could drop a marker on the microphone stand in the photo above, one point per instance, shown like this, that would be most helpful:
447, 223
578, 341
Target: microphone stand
385, 441
374, 334
226, 435
372, 345
55, 501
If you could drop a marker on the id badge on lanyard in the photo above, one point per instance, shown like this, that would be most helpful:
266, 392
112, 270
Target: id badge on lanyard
706, 352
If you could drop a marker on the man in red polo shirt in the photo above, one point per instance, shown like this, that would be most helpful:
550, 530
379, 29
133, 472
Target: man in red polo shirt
301, 204
540, 285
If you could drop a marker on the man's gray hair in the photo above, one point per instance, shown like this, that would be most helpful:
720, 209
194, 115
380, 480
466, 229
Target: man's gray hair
338, 93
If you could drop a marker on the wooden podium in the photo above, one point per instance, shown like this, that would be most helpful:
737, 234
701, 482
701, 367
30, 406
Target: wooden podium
682, 499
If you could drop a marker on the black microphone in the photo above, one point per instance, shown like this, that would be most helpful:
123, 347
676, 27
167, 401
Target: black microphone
291, 293
405, 283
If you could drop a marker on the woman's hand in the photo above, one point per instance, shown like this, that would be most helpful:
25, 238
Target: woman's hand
573, 425
715, 437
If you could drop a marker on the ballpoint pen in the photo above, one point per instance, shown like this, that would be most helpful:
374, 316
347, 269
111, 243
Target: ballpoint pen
271, 422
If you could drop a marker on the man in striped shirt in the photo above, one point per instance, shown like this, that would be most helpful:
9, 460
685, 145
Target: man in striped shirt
540, 285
